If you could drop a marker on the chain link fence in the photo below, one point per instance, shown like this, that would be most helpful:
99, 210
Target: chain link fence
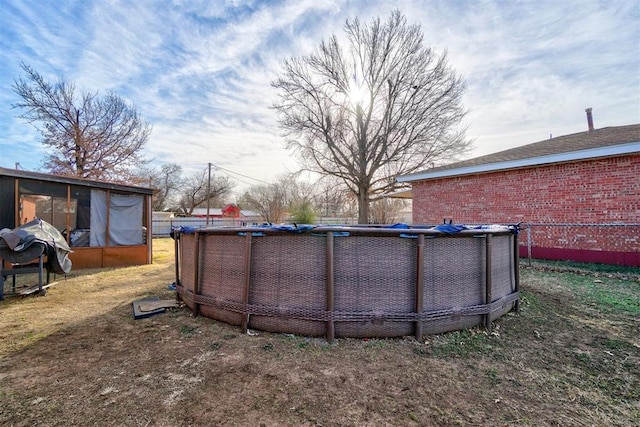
607, 243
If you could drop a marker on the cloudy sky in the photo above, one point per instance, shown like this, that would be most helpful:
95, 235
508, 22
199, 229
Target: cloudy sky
200, 71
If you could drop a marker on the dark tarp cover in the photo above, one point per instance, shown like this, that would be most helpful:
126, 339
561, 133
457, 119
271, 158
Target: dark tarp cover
39, 231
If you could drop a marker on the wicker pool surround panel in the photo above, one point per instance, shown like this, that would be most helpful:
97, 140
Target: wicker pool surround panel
349, 281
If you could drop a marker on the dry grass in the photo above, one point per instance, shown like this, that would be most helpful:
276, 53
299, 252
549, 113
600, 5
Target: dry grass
76, 357
82, 295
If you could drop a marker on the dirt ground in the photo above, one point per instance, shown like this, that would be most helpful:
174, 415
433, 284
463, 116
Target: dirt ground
77, 357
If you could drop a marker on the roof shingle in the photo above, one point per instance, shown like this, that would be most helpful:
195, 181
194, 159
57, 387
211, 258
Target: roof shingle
598, 138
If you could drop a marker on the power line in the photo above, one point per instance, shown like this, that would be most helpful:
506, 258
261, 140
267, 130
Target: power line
239, 174
231, 173
241, 180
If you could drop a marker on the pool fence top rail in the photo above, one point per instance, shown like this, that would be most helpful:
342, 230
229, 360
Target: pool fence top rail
445, 230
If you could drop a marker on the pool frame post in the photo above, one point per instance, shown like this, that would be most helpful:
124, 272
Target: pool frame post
516, 266
245, 283
177, 248
419, 287
196, 276
330, 304
488, 282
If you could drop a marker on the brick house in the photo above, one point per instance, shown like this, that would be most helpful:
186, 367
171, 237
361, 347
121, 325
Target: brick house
570, 182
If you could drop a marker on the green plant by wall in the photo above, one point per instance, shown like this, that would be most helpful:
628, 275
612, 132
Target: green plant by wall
303, 213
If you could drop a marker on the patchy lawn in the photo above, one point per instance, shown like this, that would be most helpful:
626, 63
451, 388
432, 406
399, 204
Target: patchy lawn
77, 357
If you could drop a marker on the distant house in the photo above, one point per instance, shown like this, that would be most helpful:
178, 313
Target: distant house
585, 178
106, 225
229, 211
229, 216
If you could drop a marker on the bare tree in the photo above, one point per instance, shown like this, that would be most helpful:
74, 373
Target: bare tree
385, 106
276, 201
89, 136
303, 199
196, 189
333, 197
166, 181
387, 210
299, 191
269, 200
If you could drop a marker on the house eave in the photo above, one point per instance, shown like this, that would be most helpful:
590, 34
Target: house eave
403, 194
571, 156
21, 174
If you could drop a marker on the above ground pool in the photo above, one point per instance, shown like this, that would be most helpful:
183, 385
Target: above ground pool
358, 281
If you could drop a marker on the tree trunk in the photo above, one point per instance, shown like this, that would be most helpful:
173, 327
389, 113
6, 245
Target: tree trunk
363, 186
363, 206
77, 139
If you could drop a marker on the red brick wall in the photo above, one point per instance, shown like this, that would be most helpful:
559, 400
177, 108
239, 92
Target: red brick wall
594, 191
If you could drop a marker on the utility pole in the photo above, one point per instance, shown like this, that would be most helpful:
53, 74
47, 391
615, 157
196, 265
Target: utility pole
208, 194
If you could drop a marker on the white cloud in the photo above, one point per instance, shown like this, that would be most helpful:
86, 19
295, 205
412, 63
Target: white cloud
201, 71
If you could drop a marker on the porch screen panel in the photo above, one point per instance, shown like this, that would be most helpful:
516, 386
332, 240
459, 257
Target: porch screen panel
98, 234
7, 202
125, 219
